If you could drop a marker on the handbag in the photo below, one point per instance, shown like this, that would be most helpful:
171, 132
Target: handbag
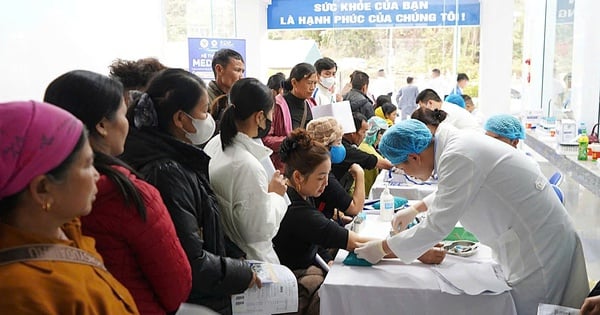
48, 252
593, 138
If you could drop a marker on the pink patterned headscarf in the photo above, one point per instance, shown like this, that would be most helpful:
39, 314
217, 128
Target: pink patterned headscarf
35, 138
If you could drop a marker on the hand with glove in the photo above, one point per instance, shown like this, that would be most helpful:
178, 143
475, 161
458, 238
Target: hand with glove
371, 251
403, 217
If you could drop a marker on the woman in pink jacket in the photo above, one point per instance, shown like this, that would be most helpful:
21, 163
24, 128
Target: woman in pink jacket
132, 227
292, 109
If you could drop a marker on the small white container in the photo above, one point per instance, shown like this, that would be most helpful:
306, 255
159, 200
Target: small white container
386, 205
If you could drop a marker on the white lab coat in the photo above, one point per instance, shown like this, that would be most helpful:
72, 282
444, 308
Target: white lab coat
250, 215
502, 197
460, 117
439, 85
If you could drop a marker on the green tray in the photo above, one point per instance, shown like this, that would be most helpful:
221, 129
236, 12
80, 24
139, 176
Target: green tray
459, 233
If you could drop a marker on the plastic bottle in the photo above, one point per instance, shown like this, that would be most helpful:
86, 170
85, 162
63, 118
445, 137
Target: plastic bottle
583, 140
386, 205
581, 128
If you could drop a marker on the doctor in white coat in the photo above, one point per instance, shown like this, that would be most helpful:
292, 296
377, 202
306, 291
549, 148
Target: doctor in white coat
252, 207
500, 196
456, 115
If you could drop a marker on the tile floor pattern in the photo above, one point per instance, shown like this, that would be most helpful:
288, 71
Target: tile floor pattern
584, 208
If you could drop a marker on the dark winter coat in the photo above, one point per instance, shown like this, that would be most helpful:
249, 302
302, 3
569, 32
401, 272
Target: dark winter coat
180, 173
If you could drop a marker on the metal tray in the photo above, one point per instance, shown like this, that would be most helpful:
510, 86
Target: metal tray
461, 248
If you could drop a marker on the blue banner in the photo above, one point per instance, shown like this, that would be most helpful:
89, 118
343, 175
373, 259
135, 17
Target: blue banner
564, 11
318, 14
202, 50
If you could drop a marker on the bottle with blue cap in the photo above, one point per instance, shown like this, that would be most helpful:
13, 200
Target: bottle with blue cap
386, 202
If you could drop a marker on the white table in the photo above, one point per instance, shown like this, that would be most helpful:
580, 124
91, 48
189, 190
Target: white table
400, 187
393, 287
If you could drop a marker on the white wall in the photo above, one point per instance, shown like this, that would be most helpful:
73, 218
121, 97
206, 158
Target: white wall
495, 61
586, 62
40, 39
251, 24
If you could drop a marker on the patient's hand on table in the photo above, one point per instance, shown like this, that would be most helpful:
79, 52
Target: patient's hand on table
341, 217
434, 255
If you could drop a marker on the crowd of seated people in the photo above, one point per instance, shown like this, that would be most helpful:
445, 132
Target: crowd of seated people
149, 188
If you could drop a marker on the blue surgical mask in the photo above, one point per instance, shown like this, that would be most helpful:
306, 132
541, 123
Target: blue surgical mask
338, 153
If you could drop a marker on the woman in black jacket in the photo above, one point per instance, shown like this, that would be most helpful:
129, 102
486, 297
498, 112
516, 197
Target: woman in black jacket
170, 120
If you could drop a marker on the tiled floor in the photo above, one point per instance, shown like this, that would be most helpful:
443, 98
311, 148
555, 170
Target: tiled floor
584, 208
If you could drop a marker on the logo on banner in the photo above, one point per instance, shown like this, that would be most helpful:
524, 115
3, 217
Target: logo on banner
202, 50
204, 43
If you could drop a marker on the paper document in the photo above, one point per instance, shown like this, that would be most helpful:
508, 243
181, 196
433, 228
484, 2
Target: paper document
471, 278
264, 271
340, 111
279, 292
547, 309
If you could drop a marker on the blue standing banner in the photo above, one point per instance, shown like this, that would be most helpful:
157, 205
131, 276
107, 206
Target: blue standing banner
564, 11
202, 50
319, 14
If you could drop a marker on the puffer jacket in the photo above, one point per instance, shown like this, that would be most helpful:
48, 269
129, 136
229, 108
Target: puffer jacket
132, 247
360, 103
180, 173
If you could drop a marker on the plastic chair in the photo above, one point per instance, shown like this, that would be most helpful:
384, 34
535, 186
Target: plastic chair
556, 178
559, 193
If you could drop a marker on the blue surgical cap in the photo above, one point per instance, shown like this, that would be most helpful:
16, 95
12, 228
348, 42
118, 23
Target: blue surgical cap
456, 99
506, 126
375, 125
405, 137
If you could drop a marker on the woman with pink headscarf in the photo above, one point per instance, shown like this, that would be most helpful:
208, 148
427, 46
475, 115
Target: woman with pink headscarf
47, 181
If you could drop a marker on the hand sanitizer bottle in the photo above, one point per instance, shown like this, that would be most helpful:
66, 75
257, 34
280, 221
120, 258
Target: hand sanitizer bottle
386, 205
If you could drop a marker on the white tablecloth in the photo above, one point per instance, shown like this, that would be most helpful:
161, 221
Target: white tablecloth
393, 287
399, 187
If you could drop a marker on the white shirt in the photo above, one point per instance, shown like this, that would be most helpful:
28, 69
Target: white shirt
380, 86
502, 197
439, 86
323, 96
479, 116
460, 117
250, 215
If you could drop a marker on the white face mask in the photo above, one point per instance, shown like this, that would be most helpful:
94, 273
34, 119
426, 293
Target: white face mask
328, 82
204, 129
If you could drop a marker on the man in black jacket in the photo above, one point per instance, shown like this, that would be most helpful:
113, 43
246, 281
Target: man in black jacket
359, 101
